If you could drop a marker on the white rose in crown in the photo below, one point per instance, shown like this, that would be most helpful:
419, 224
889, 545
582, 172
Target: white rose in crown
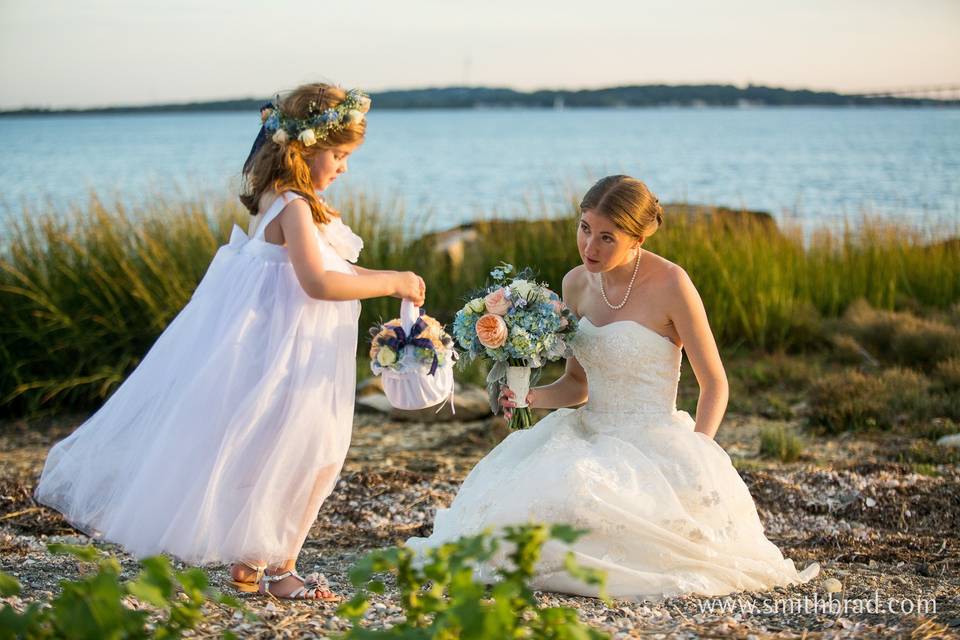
364, 104
280, 136
477, 305
354, 117
308, 137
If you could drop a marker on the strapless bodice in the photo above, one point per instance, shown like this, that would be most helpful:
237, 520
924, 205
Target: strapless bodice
630, 368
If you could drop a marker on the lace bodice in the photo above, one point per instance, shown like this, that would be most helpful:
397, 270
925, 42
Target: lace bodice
630, 368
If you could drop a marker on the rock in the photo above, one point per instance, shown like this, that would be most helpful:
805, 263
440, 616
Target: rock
832, 585
472, 403
373, 404
952, 441
370, 386
870, 502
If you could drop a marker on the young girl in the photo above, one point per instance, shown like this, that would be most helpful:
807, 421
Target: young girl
223, 443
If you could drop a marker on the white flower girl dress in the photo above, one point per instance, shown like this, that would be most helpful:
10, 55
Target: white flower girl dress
223, 443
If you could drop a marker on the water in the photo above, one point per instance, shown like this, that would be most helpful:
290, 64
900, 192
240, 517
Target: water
818, 165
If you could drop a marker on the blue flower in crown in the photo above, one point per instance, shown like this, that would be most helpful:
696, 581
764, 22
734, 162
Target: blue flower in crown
330, 116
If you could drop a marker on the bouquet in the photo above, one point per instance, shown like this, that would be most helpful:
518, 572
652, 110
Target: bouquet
518, 325
415, 357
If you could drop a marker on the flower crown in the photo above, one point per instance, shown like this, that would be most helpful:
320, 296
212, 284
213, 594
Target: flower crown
319, 123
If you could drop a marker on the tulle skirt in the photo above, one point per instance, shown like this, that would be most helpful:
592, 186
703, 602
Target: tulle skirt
666, 510
225, 440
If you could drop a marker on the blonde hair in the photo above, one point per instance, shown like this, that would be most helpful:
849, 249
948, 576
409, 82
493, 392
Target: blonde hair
284, 167
627, 202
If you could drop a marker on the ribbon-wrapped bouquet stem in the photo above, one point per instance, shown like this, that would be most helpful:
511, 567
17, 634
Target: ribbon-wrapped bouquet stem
518, 325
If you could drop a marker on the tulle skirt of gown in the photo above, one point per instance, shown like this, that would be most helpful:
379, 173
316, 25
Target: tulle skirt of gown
667, 511
225, 440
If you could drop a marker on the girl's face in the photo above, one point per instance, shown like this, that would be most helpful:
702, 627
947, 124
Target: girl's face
603, 246
327, 164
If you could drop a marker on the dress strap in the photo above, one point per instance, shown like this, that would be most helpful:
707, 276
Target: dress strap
282, 200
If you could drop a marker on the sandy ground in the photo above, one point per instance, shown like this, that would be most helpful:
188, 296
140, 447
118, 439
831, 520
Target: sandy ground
886, 533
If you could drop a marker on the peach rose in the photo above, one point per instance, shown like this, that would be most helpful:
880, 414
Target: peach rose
497, 302
559, 306
492, 331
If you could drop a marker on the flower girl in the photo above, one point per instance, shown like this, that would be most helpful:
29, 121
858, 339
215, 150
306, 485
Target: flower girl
226, 439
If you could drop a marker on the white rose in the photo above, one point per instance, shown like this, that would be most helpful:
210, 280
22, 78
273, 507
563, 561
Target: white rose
280, 136
354, 117
522, 288
477, 305
386, 357
308, 137
364, 104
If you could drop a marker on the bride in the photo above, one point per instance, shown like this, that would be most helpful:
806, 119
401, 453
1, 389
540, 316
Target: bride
667, 512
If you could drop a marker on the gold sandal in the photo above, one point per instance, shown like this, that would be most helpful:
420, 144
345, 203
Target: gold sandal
251, 586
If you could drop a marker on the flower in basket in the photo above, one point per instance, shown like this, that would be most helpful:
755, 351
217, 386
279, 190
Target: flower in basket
517, 325
430, 346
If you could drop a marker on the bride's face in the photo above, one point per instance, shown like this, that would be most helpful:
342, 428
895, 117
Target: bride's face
603, 246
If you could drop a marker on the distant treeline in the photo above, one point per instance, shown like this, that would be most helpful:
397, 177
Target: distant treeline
711, 95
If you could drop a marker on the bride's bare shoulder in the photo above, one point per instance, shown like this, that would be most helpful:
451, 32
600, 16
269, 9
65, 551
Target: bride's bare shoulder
667, 278
573, 284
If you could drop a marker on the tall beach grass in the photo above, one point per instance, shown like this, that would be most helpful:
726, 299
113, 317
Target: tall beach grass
85, 294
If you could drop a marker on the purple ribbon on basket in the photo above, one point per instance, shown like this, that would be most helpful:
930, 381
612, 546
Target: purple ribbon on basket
402, 340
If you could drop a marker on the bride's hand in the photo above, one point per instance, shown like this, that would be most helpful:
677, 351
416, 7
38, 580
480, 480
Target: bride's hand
508, 401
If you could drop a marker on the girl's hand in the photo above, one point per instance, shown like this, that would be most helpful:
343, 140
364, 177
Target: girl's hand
409, 285
508, 401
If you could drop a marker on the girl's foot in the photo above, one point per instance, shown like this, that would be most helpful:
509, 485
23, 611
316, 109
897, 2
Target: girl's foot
290, 585
246, 577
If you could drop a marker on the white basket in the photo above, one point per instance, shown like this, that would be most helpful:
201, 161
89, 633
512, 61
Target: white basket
416, 388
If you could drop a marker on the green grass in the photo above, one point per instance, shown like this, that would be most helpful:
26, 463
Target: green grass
84, 295
780, 443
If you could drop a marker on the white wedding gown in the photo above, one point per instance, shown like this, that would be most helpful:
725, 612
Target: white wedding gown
667, 512
223, 443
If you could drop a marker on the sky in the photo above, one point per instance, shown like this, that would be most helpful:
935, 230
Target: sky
84, 53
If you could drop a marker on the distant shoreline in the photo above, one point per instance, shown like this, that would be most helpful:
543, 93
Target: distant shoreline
459, 98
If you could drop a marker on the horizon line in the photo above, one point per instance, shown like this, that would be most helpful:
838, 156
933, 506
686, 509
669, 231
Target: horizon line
739, 86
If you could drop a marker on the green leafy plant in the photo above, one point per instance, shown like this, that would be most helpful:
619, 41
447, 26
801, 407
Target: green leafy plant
781, 443
94, 608
442, 600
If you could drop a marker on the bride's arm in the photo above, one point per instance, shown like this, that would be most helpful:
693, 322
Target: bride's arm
690, 320
569, 390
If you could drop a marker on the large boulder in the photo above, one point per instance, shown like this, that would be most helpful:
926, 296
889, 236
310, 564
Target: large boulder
471, 402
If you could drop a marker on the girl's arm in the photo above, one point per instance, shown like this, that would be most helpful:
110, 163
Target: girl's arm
569, 389
363, 271
299, 232
690, 320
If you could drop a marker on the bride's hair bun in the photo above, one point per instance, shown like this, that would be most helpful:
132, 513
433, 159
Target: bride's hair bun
627, 202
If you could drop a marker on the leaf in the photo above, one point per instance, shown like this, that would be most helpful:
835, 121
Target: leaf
354, 607
148, 593
566, 533
87, 553
193, 579
9, 586
587, 575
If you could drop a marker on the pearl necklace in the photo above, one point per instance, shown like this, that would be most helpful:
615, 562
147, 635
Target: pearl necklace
629, 287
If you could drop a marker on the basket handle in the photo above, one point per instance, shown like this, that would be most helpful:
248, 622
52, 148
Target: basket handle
409, 313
